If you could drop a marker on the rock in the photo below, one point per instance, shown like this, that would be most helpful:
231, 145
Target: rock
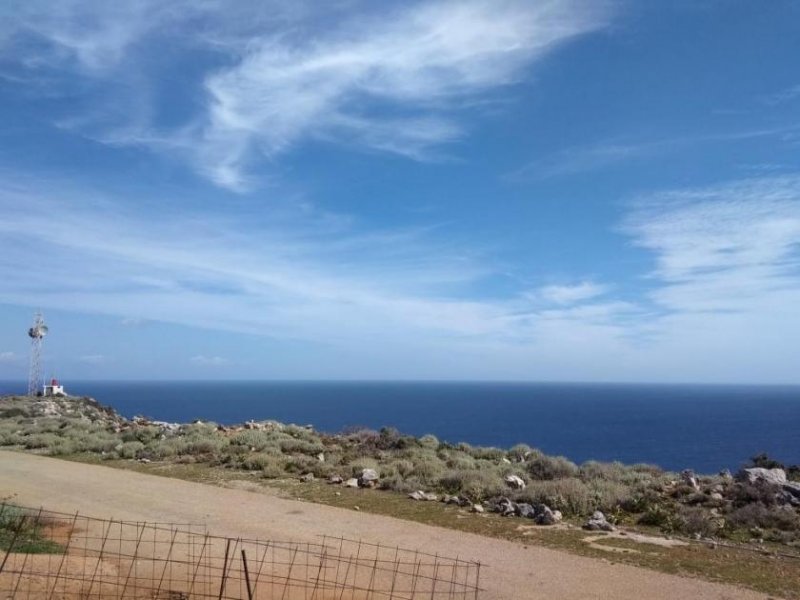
368, 478
792, 488
717, 496
505, 460
458, 500
144, 460
307, 477
338, 493
351, 483
515, 481
321, 457
504, 506
547, 516
336, 479
423, 496
477, 508
525, 510
726, 474
689, 478
756, 474
598, 522
356, 508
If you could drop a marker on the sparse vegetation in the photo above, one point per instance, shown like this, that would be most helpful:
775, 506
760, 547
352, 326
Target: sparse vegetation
641, 494
24, 533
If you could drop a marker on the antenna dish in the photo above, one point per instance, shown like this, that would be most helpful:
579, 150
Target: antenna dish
38, 331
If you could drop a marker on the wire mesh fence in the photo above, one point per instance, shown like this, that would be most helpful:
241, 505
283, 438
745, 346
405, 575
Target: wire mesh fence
51, 555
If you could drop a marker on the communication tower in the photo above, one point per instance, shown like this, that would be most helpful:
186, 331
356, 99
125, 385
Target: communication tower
36, 333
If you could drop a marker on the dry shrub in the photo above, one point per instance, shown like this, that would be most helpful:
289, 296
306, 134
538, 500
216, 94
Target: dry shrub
570, 496
543, 467
475, 484
783, 518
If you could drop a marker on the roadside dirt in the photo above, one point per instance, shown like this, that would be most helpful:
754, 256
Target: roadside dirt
512, 571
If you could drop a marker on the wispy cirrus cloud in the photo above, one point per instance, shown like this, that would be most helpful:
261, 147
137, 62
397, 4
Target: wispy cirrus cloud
786, 95
390, 80
725, 282
570, 293
732, 247
414, 63
611, 153
289, 279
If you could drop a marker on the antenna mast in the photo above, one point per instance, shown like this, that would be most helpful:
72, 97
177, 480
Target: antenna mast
36, 333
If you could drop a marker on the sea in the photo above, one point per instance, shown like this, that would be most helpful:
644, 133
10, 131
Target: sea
703, 427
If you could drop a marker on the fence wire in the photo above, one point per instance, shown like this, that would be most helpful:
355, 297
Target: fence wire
50, 555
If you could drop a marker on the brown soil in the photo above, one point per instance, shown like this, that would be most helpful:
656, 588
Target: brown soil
512, 571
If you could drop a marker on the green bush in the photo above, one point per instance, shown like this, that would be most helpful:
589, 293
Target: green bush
429, 441
543, 467
292, 446
569, 495
259, 461
129, 449
475, 484
662, 517
783, 518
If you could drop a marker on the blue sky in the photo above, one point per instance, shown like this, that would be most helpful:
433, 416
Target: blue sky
523, 190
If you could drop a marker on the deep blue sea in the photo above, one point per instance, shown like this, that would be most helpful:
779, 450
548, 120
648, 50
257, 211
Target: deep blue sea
676, 426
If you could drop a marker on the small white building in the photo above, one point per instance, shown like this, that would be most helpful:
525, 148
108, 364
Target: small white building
54, 388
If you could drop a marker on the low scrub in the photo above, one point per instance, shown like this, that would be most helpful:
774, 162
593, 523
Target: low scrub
713, 505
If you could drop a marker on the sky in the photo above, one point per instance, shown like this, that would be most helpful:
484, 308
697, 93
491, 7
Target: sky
537, 190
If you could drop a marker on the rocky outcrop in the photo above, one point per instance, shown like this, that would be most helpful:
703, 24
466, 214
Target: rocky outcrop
515, 482
368, 478
789, 490
598, 522
541, 514
757, 474
524, 510
547, 516
351, 483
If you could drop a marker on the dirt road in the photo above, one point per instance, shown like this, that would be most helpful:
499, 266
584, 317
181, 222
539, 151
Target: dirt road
513, 572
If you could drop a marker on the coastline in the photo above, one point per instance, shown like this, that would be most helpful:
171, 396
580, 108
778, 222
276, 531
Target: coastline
705, 428
299, 462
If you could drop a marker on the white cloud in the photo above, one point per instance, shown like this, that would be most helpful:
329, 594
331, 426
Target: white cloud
390, 79
319, 281
609, 153
786, 95
8, 357
338, 85
722, 301
210, 361
570, 294
726, 282
728, 247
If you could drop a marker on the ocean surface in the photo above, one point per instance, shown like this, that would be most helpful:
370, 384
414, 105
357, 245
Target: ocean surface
706, 428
